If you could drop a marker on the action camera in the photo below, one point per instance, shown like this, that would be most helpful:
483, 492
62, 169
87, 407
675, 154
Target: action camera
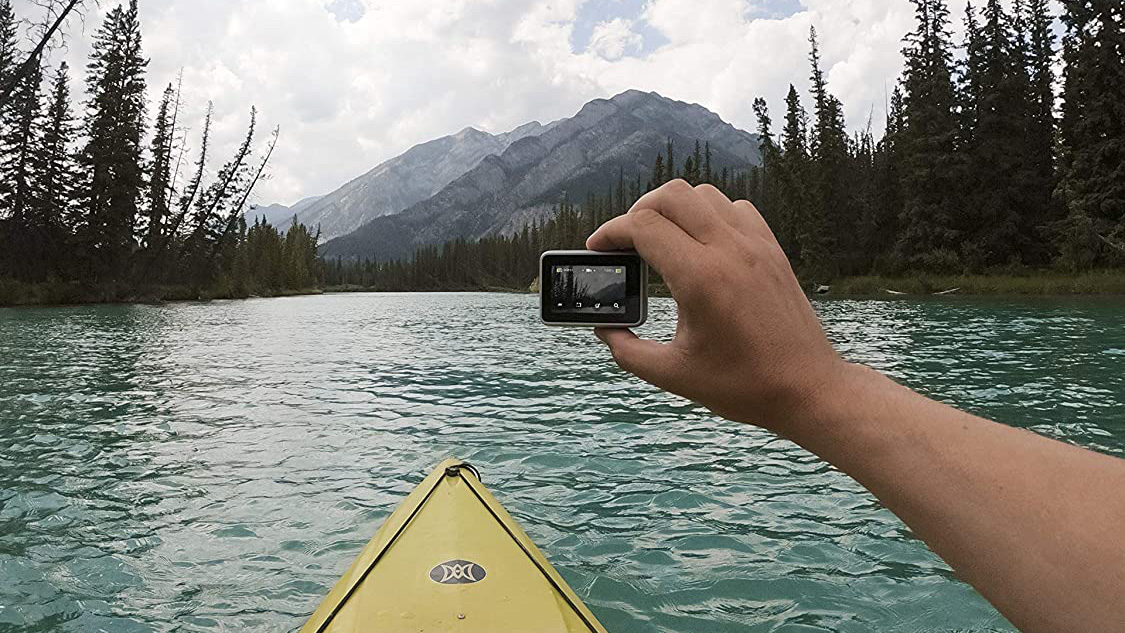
588, 288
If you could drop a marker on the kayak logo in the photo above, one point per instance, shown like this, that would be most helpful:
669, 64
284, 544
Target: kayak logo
457, 572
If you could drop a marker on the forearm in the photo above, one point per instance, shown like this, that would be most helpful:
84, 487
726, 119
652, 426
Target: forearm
1035, 525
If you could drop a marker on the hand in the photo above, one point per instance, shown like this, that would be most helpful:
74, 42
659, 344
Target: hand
748, 345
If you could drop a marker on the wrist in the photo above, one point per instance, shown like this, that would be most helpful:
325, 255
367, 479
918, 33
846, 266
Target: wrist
830, 401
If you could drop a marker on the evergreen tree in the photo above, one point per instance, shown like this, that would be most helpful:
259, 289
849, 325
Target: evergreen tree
792, 203
1092, 130
658, 177
1043, 126
828, 230
1092, 184
670, 161
55, 177
708, 176
694, 174
8, 44
19, 125
886, 209
114, 126
930, 173
765, 190
999, 224
160, 173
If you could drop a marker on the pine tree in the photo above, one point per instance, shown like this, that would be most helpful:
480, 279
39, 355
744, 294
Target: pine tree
658, 177
670, 161
708, 176
999, 224
886, 209
765, 189
1043, 126
827, 233
931, 176
1092, 181
114, 126
56, 175
19, 118
160, 172
792, 205
8, 44
695, 176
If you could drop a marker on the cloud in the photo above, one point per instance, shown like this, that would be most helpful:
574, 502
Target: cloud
354, 82
611, 39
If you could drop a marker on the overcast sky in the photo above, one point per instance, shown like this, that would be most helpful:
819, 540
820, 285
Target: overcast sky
354, 82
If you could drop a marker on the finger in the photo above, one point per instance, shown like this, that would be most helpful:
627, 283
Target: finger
661, 243
725, 208
680, 203
652, 362
749, 216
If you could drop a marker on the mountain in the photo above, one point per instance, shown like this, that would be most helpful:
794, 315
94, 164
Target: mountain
279, 215
407, 179
573, 156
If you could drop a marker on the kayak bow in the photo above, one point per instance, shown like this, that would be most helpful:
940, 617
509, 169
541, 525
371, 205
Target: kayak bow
450, 558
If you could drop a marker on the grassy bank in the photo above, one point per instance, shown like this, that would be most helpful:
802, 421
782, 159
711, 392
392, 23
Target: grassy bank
50, 293
1107, 282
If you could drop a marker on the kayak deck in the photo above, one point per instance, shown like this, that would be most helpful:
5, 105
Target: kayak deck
450, 558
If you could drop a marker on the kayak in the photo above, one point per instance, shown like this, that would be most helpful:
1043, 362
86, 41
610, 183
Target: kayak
450, 558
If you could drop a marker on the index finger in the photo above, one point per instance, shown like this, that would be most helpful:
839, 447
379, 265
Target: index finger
681, 204
663, 244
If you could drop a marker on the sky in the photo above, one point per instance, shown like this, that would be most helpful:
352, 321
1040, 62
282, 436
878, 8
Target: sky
352, 83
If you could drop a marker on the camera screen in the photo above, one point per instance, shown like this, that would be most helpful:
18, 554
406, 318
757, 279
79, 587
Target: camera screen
589, 289
586, 288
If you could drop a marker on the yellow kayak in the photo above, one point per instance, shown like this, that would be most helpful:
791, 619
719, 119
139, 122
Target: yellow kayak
450, 558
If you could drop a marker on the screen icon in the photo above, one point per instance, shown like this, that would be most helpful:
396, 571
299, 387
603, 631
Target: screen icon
597, 306
616, 306
578, 305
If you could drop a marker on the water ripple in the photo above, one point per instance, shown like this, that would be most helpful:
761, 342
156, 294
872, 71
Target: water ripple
212, 466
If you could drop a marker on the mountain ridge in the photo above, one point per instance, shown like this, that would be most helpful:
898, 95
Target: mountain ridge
572, 156
410, 177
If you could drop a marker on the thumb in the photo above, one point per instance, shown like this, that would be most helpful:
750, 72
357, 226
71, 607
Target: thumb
648, 360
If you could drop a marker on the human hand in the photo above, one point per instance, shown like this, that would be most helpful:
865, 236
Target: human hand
748, 345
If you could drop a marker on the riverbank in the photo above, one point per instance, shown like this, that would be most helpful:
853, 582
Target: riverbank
18, 293
1106, 282
1098, 283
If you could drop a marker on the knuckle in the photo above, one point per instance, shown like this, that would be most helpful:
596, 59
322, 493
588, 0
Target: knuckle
709, 188
646, 218
678, 185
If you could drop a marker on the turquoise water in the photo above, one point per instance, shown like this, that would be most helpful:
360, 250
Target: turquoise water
197, 467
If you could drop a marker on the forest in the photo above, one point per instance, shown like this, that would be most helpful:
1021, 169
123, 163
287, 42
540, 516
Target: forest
991, 163
91, 205
1000, 154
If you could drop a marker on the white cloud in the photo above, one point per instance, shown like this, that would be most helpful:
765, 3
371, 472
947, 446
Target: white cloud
354, 82
611, 39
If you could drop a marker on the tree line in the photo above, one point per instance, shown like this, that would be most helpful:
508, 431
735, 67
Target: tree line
988, 162
100, 199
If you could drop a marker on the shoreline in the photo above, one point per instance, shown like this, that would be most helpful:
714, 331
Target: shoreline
1106, 283
17, 294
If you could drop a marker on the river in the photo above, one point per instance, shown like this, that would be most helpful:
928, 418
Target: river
216, 466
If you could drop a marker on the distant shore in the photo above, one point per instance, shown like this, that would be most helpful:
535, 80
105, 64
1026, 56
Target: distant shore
1045, 283
1097, 283
22, 294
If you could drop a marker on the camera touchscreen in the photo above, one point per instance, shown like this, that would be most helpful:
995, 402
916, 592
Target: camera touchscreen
590, 288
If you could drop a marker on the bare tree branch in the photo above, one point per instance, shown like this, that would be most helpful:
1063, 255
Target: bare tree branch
24, 68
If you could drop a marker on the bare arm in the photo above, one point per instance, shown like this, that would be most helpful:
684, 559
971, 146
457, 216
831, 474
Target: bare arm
1037, 526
